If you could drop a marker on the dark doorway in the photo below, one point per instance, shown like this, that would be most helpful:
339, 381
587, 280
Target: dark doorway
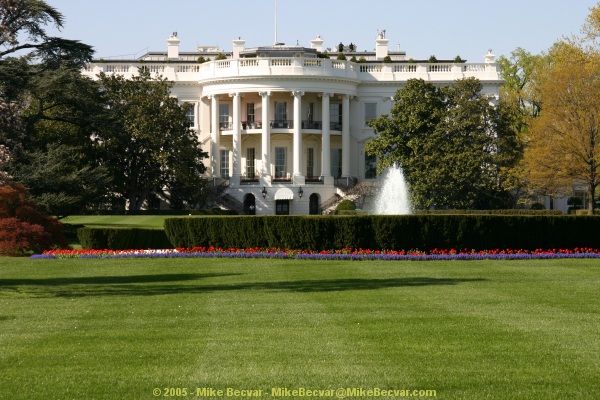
313, 204
250, 204
282, 207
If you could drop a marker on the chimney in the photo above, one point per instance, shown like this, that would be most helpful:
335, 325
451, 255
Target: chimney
173, 47
381, 46
317, 43
238, 46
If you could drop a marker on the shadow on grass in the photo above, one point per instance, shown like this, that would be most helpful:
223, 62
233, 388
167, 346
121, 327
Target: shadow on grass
150, 285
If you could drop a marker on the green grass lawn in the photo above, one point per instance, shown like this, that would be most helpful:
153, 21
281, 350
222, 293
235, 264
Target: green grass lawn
118, 329
138, 221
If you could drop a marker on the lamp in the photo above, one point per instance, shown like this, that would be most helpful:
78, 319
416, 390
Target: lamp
264, 192
300, 191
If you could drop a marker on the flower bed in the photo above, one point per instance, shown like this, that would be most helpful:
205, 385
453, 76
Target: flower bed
343, 254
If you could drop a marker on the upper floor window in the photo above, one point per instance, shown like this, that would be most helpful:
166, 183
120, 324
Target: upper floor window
280, 111
335, 116
190, 114
224, 119
250, 112
370, 111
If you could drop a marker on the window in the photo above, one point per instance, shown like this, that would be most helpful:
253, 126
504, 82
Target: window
310, 162
335, 116
336, 163
280, 162
250, 113
190, 113
310, 115
224, 122
280, 112
282, 207
225, 163
370, 167
250, 170
370, 111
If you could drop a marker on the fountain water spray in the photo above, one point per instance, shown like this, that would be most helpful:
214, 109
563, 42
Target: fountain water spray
393, 196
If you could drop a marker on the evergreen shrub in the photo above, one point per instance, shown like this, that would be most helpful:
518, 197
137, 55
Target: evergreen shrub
378, 232
123, 238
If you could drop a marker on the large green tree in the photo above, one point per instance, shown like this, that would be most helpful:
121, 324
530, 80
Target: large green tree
150, 149
49, 113
23, 30
450, 143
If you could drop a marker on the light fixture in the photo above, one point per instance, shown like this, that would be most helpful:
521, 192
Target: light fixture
300, 192
264, 192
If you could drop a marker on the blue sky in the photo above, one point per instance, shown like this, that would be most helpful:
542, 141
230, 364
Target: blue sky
422, 28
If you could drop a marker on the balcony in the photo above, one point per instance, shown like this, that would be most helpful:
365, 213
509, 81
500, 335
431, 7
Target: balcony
297, 66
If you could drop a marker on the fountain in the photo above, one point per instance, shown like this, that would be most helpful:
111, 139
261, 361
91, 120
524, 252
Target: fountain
393, 196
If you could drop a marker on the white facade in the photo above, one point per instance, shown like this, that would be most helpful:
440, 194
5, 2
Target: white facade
280, 121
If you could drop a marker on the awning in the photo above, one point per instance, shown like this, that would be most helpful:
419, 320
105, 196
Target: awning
284, 194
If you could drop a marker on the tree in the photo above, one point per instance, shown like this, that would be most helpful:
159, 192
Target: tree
150, 147
24, 228
564, 144
61, 181
44, 100
27, 19
449, 142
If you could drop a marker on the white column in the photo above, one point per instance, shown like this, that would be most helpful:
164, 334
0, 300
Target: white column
298, 176
345, 136
237, 140
326, 141
266, 139
215, 134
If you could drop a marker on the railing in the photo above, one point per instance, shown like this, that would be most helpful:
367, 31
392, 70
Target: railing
312, 124
440, 68
252, 125
282, 124
345, 182
335, 126
395, 71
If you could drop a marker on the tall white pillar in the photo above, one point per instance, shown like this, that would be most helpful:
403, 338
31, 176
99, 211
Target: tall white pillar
326, 141
215, 134
297, 164
345, 136
266, 139
237, 140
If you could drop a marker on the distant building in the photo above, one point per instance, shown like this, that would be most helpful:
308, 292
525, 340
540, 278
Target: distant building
285, 126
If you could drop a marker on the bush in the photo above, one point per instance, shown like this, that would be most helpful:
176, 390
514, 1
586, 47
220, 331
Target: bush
15, 204
346, 205
19, 238
380, 232
123, 238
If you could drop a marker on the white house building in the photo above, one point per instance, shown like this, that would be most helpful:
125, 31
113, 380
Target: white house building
285, 126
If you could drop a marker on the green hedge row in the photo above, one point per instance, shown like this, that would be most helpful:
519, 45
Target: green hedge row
423, 232
123, 238
510, 211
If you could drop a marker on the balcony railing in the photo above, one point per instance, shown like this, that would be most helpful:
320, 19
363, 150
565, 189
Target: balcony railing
282, 124
372, 71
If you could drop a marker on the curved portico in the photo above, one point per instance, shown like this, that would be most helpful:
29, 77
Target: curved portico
284, 131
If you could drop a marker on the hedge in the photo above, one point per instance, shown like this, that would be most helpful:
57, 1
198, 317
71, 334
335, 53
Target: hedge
123, 238
374, 232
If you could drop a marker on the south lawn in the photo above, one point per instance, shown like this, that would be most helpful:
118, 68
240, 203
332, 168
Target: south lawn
137, 328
